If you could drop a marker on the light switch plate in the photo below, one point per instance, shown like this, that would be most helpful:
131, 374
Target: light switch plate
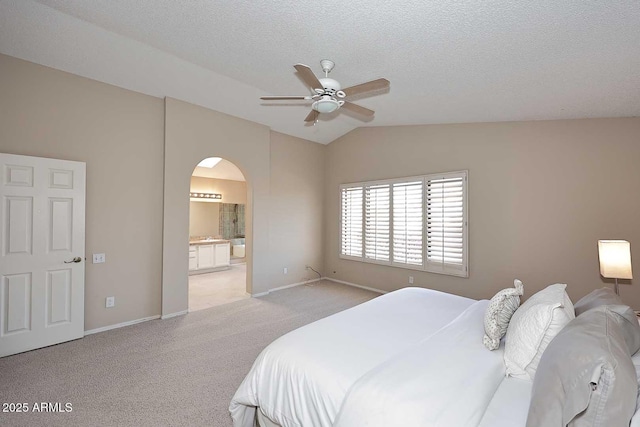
98, 258
110, 302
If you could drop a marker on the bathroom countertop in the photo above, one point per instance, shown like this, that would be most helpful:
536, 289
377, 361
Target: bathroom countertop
208, 242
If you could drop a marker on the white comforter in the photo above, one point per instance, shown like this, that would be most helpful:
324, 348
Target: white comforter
301, 379
445, 380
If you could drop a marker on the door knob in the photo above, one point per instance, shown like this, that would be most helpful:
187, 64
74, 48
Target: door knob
76, 259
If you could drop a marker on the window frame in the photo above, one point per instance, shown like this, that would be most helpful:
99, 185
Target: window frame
459, 270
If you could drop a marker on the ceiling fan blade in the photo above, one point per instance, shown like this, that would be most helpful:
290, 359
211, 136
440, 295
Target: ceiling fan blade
277, 98
313, 115
307, 76
367, 87
358, 109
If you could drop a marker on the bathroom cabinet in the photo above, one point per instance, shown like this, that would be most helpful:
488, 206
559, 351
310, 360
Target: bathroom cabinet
206, 256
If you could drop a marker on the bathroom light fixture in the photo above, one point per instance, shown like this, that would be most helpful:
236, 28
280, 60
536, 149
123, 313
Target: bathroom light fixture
205, 196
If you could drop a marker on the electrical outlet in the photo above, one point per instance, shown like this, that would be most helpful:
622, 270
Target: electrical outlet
110, 302
285, 270
411, 280
99, 258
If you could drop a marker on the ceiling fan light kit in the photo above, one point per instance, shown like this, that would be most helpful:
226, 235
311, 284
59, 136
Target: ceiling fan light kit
328, 95
326, 105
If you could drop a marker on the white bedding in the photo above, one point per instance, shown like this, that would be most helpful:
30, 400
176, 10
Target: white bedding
510, 404
445, 380
301, 378
411, 357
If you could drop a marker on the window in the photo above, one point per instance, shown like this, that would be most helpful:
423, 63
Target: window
417, 222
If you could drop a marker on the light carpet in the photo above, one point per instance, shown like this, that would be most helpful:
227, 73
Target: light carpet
176, 372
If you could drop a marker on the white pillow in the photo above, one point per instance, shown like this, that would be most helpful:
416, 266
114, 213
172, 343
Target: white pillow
499, 312
532, 328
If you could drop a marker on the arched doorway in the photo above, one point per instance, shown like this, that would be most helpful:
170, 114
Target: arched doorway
217, 250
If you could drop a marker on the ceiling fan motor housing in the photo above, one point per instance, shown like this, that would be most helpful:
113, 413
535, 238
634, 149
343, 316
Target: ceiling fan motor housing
330, 85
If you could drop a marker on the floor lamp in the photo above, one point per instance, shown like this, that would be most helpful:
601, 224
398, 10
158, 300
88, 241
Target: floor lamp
615, 260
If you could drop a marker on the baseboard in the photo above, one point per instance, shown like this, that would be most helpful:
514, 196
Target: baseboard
356, 285
293, 285
176, 314
120, 325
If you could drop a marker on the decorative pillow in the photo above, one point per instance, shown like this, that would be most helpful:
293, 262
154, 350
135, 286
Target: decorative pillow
586, 376
499, 312
628, 321
602, 296
532, 328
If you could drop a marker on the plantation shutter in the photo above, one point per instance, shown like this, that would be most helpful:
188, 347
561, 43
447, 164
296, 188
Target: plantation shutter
446, 223
351, 221
377, 201
407, 222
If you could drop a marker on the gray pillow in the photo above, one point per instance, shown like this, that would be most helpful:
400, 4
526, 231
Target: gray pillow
628, 321
586, 376
602, 296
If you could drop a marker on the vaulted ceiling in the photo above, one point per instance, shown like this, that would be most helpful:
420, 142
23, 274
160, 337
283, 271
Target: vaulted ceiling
448, 61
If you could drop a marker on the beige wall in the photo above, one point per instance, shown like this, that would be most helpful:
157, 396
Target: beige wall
124, 138
540, 196
119, 134
293, 201
296, 212
541, 193
204, 217
193, 133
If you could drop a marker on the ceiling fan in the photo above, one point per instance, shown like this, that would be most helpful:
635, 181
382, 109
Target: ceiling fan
328, 95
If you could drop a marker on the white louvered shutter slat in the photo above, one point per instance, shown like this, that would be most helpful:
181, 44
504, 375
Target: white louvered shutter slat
377, 201
351, 221
407, 223
445, 217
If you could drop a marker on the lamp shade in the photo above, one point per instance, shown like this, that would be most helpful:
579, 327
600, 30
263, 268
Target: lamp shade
615, 259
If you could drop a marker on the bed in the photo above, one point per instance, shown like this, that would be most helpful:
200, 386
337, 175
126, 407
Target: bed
377, 364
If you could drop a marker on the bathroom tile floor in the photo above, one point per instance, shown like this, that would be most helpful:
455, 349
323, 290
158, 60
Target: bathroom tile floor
222, 287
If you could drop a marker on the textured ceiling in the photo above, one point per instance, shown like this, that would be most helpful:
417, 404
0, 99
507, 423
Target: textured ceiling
448, 62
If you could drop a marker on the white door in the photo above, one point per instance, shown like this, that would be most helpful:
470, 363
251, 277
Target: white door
42, 252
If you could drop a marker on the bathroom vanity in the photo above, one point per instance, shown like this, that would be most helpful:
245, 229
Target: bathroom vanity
209, 255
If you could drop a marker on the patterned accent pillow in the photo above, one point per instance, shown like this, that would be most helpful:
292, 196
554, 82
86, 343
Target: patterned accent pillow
499, 312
